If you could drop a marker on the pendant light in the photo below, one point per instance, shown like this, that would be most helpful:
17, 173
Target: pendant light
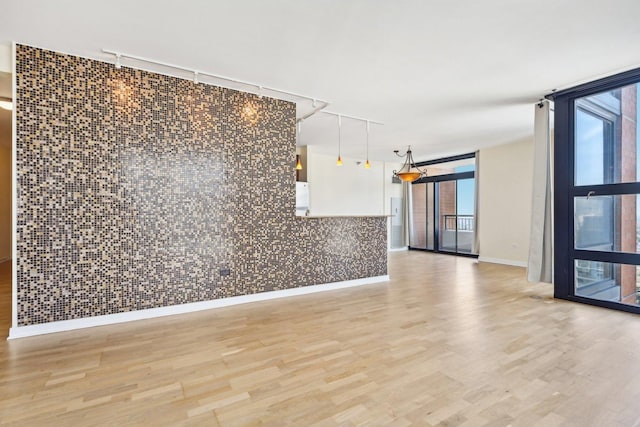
339, 161
409, 172
298, 137
367, 165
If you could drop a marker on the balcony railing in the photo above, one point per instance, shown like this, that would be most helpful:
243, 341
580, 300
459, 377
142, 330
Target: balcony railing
459, 222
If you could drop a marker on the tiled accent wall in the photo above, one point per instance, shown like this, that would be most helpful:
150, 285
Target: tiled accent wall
136, 189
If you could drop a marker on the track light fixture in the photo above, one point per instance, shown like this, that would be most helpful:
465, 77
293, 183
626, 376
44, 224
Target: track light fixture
339, 161
367, 165
278, 93
340, 116
318, 105
299, 133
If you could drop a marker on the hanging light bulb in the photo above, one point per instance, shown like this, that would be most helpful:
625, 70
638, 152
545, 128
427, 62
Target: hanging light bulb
298, 141
339, 161
367, 165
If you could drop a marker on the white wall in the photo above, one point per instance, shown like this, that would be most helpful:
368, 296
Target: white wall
506, 183
5, 201
349, 189
390, 190
5, 58
5, 169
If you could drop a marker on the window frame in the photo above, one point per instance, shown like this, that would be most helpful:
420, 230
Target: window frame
436, 180
565, 191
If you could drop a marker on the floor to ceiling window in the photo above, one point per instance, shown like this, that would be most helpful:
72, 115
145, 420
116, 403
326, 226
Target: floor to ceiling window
597, 192
442, 206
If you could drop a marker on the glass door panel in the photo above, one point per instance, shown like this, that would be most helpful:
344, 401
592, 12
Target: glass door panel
465, 224
456, 215
418, 234
430, 215
447, 216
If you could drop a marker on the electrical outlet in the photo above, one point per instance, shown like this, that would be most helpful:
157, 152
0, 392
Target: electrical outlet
225, 272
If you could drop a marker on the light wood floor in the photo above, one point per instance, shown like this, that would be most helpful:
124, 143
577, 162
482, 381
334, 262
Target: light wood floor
447, 341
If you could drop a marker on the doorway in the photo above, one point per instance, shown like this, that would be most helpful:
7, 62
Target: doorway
442, 217
6, 106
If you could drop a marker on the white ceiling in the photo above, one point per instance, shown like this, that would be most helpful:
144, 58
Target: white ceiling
446, 77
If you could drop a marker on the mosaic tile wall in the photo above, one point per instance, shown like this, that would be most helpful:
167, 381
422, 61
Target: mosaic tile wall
136, 189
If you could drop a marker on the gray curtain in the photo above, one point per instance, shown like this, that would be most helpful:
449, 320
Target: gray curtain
406, 212
476, 222
540, 265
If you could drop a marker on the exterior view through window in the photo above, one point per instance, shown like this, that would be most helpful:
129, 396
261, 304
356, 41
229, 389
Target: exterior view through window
601, 194
606, 152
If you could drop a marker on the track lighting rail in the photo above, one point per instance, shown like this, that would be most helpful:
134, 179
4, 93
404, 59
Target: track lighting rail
198, 74
352, 117
317, 104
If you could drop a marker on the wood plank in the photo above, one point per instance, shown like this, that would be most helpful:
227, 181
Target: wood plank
447, 341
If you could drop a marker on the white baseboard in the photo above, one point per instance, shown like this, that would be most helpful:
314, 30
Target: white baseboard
404, 248
503, 261
109, 319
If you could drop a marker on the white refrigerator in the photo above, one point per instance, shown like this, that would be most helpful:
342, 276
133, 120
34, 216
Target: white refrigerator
302, 198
